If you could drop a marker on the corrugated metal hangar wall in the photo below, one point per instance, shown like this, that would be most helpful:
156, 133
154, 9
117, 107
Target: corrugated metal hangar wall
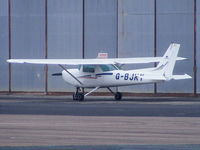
82, 28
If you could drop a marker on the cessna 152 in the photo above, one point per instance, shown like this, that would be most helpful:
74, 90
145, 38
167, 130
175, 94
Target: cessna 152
106, 73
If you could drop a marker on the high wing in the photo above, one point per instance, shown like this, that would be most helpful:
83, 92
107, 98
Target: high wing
90, 61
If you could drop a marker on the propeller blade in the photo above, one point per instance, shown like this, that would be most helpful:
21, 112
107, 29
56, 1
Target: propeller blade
57, 74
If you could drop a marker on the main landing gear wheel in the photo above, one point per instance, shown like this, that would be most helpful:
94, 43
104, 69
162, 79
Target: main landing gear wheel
118, 96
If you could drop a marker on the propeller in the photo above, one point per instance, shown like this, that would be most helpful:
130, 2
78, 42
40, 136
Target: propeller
56, 74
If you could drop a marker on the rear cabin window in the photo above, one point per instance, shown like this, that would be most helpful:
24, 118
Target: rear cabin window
89, 68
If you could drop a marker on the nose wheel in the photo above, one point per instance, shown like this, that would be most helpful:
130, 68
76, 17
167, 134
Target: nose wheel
79, 95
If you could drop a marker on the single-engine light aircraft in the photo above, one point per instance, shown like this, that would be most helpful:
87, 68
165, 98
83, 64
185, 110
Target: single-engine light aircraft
106, 72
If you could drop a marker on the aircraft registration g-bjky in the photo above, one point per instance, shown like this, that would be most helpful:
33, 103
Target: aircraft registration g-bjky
106, 72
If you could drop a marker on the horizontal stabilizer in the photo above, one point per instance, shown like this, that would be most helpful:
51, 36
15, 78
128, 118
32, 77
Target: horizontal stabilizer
180, 77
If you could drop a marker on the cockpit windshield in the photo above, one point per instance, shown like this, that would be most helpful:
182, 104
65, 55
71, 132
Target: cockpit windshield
108, 67
89, 68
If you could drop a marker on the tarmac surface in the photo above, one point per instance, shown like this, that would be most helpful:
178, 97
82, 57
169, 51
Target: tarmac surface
58, 123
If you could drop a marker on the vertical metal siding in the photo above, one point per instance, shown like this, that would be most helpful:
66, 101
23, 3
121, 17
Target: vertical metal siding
175, 24
27, 42
100, 27
136, 35
198, 44
123, 28
64, 37
4, 52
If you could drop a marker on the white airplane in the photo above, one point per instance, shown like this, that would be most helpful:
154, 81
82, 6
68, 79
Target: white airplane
106, 73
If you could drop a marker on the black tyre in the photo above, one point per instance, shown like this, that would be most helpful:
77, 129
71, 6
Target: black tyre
75, 97
80, 97
118, 96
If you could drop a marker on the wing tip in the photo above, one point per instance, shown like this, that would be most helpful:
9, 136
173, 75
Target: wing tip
14, 61
9, 60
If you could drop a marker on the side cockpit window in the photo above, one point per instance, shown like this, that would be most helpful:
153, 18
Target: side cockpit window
89, 68
79, 67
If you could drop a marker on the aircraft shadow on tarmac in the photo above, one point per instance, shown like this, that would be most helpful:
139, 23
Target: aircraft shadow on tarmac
173, 107
106, 147
102, 99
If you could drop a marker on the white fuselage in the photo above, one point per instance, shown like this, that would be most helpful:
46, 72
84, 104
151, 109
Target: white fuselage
108, 79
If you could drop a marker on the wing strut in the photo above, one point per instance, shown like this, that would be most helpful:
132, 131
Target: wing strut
92, 91
71, 74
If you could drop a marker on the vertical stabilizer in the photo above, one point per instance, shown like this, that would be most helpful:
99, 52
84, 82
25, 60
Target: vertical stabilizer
166, 65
